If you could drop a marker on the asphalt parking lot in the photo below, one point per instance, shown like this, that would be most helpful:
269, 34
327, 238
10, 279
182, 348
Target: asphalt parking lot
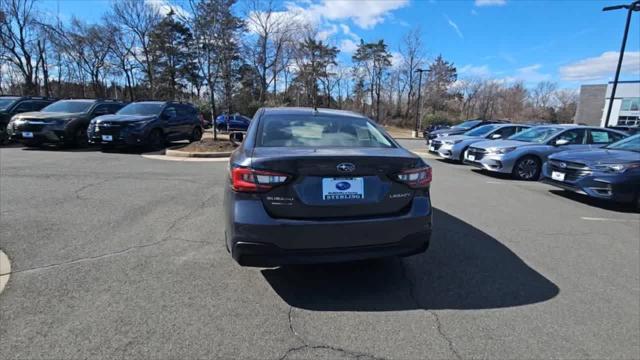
115, 255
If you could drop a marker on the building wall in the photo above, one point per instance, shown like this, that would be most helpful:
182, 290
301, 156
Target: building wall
591, 103
625, 90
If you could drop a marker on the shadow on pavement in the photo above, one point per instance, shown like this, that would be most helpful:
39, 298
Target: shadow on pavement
463, 269
495, 175
602, 204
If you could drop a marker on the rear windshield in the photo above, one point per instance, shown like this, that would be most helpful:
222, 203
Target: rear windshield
468, 124
318, 131
69, 106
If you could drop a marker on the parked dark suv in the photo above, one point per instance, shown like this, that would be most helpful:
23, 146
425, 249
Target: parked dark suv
63, 122
148, 123
12, 105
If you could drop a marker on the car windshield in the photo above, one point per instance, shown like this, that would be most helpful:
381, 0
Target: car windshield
5, 102
536, 135
468, 124
69, 106
481, 130
631, 144
318, 131
141, 109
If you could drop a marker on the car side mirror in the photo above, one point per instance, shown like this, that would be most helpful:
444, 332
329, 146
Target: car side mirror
496, 136
561, 142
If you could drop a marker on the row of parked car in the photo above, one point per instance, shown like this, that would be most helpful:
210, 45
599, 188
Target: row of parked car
599, 162
36, 121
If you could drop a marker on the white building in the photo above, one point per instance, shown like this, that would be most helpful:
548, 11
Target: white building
626, 104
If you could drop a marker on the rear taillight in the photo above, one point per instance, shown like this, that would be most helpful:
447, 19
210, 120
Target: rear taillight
250, 180
416, 178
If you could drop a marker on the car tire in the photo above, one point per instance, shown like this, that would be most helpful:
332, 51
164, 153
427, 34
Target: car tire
80, 138
527, 168
156, 140
196, 134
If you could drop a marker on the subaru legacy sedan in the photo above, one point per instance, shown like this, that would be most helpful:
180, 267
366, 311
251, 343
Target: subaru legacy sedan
318, 185
523, 154
453, 147
611, 173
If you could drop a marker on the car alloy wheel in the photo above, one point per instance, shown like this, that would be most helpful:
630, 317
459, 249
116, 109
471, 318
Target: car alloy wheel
527, 169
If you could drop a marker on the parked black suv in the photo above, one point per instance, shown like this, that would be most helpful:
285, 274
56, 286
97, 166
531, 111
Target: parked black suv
63, 122
148, 123
12, 105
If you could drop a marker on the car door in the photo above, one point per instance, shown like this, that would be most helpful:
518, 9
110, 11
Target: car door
170, 122
601, 137
573, 139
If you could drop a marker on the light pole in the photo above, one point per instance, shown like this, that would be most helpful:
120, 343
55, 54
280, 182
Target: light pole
634, 6
419, 71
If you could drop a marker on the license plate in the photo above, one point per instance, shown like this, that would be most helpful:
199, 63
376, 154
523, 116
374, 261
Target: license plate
471, 157
558, 176
432, 148
107, 137
27, 134
342, 188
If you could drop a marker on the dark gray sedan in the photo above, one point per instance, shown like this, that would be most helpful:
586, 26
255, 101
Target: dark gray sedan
309, 186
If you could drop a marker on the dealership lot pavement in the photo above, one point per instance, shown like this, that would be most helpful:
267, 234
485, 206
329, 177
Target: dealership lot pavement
115, 255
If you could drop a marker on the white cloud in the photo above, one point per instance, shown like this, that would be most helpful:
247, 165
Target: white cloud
364, 13
601, 67
490, 2
455, 27
164, 7
347, 31
396, 59
348, 46
531, 73
326, 33
476, 71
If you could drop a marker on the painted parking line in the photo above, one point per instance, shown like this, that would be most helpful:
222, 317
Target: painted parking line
5, 270
610, 220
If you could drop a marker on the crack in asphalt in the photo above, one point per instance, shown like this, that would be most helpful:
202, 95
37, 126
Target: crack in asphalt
85, 187
166, 237
307, 345
439, 327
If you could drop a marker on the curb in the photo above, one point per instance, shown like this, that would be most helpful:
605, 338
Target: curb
187, 154
5, 270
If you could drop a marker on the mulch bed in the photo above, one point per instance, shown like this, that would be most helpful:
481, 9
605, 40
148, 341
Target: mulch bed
208, 145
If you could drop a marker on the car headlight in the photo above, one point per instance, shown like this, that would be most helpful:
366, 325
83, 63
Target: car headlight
615, 168
500, 150
452, 142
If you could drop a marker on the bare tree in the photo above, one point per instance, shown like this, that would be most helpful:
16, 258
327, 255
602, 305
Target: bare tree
412, 51
272, 31
139, 18
19, 30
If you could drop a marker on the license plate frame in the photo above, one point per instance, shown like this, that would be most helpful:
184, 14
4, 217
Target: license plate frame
107, 137
27, 134
342, 188
558, 176
471, 157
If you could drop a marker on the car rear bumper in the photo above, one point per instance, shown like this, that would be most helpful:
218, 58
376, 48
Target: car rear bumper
256, 239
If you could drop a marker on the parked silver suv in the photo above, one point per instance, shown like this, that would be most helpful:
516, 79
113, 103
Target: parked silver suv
453, 147
523, 154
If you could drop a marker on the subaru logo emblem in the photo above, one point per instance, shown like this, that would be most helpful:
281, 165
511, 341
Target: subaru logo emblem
563, 165
346, 167
343, 185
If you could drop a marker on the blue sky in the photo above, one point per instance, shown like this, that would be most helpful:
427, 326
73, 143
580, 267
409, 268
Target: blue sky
570, 42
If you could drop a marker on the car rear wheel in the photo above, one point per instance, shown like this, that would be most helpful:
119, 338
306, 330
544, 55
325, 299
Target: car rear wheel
196, 134
156, 139
527, 168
